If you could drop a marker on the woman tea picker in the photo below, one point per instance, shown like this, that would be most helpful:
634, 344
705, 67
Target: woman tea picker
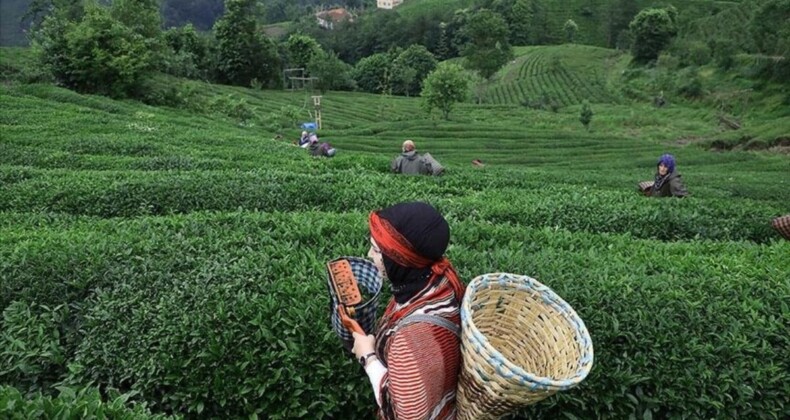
413, 361
668, 182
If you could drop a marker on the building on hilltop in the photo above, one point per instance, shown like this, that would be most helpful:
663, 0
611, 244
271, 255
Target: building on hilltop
328, 18
388, 4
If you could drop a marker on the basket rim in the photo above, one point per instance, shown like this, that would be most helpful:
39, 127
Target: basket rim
551, 298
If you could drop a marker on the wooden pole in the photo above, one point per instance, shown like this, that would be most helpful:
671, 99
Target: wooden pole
317, 106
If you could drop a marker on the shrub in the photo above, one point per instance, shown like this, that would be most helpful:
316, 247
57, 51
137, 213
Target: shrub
31, 346
586, 114
691, 88
97, 54
699, 54
226, 314
652, 29
286, 117
236, 108
84, 403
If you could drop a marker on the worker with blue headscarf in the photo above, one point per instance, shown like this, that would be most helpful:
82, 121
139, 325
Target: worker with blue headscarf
668, 182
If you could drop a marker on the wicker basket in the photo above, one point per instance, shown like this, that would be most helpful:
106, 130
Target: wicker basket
369, 281
520, 343
782, 225
645, 186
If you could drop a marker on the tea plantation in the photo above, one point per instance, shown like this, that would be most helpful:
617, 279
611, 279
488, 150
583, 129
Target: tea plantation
169, 261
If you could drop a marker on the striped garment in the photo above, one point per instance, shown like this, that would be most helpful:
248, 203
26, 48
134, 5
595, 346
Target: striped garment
782, 225
422, 359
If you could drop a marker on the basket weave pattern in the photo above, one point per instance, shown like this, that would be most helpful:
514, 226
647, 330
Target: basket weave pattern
521, 343
646, 185
369, 281
782, 225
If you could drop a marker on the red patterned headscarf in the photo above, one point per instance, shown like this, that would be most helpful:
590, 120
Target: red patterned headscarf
415, 236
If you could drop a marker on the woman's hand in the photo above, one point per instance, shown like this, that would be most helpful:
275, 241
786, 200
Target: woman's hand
363, 344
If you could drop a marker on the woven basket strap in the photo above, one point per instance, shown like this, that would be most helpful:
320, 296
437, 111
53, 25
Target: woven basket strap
431, 319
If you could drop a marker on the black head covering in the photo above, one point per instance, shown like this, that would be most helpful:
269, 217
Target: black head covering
428, 233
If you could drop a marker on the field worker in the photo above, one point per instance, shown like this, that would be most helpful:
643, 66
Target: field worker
410, 162
304, 141
413, 362
320, 149
668, 182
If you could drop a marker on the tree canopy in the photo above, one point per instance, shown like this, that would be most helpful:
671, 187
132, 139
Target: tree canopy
444, 87
652, 29
488, 48
244, 54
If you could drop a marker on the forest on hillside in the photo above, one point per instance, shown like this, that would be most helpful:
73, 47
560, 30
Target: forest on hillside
391, 51
200, 13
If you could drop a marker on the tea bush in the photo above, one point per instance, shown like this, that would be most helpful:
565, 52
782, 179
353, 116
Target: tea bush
177, 256
83, 403
210, 313
32, 355
532, 203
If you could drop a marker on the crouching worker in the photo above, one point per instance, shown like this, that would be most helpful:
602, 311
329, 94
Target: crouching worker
668, 182
413, 361
304, 140
410, 162
320, 149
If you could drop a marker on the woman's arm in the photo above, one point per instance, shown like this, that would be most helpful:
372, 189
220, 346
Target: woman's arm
376, 371
363, 345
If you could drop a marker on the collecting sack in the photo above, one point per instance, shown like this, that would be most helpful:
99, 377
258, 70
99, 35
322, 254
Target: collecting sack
520, 343
354, 287
646, 187
436, 167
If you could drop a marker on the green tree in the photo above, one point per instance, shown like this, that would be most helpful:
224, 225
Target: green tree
539, 30
141, 16
770, 28
723, 50
332, 73
301, 49
244, 54
456, 31
189, 53
49, 37
372, 73
444, 87
64, 10
443, 45
586, 114
520, 20
570, 28
488, 48
417, 60
617, 17
400, 78
98, 54
144, 19
652, 29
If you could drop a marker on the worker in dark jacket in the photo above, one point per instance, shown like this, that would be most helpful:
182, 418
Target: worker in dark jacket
410, 162
668, 182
